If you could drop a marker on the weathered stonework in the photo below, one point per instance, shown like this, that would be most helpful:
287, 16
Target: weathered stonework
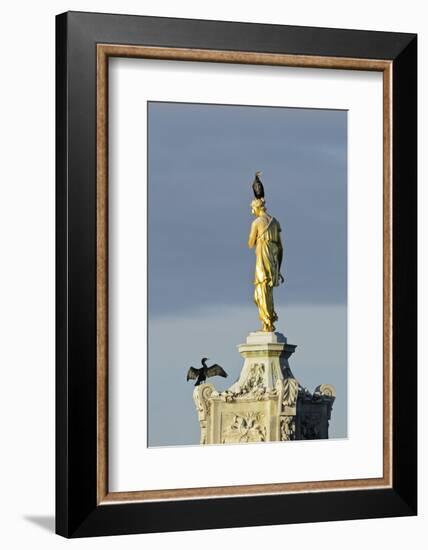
266, 403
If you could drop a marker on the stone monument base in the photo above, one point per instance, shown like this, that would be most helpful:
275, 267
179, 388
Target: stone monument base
266, 403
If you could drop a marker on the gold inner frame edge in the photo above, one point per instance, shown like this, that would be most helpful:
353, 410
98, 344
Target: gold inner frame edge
104, 51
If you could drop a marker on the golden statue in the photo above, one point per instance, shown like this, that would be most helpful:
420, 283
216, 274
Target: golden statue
265, 235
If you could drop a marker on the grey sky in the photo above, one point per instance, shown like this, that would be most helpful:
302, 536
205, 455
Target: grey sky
202, 160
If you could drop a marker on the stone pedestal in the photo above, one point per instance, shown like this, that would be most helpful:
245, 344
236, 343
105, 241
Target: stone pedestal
264, 403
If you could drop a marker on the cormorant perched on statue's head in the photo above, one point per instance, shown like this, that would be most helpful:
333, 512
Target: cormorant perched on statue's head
258, 189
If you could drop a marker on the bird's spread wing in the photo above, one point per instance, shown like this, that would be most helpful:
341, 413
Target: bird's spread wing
192, 374
216, 370
258, 188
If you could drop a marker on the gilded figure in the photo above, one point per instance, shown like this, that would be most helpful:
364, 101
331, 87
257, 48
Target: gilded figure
265, 236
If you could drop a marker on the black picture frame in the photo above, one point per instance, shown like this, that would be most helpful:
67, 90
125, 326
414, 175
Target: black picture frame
78, 513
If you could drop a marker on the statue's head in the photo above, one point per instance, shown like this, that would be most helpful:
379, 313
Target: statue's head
258, 207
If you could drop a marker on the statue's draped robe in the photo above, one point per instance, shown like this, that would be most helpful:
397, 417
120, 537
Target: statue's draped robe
267, 274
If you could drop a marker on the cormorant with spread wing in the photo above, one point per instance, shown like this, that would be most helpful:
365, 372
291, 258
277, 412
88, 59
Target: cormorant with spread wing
258, 188
200, 375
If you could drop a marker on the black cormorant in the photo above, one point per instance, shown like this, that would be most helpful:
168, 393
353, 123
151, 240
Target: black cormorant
258, 189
